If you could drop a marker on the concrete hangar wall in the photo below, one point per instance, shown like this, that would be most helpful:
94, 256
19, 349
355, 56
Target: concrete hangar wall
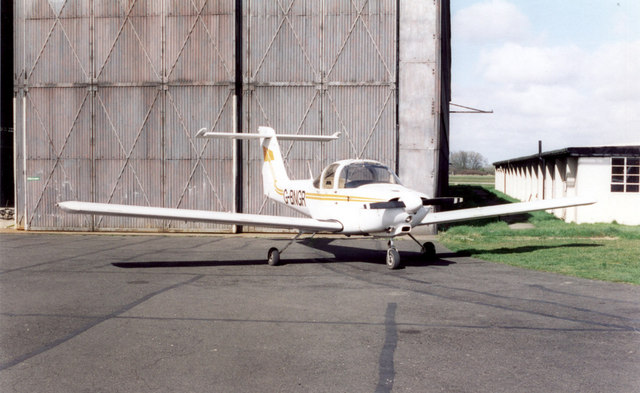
109, 96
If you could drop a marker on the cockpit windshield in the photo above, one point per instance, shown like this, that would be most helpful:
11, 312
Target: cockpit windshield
360, 173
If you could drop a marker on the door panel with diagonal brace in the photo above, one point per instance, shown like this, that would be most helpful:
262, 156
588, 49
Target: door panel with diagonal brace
200, 69
128, 151
54, 158
128, 108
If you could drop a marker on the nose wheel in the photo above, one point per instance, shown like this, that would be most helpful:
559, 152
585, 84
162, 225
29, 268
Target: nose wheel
393, 256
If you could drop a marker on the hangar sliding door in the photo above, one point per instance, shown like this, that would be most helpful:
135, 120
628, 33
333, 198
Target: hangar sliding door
110, 96
318, 67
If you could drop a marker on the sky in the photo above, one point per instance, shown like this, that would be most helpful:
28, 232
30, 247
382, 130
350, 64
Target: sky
566, 72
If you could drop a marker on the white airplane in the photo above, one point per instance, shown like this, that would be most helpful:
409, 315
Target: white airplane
350, 197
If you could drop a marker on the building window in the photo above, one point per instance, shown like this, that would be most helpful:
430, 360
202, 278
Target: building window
625, 174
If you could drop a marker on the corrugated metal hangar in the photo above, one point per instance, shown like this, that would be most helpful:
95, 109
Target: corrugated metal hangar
109, 95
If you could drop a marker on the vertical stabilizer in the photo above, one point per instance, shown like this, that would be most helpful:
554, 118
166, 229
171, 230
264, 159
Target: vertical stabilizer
274, 174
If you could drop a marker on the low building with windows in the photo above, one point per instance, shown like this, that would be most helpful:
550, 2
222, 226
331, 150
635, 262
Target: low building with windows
609, 174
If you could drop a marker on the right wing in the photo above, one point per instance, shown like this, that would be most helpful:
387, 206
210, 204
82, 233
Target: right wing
108, 209
502, 210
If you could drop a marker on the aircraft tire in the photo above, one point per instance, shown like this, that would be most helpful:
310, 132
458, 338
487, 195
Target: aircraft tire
273, 257
429, 251
393, 259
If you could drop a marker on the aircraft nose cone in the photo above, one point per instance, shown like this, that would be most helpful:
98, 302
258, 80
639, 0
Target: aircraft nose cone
412, 202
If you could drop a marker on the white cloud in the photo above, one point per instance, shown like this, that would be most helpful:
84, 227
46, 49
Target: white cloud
552, 82
489, 21
563, 95
614, 70
523, 65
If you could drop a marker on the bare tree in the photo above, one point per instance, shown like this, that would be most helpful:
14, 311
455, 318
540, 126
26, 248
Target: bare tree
461, 160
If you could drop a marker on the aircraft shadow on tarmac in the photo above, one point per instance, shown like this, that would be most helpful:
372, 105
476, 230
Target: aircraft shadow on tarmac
343, 253
340, 253
521, 250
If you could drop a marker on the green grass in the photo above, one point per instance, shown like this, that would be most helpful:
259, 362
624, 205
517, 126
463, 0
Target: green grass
609, 252
471, 179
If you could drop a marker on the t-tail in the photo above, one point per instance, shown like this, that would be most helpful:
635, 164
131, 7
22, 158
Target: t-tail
274, 173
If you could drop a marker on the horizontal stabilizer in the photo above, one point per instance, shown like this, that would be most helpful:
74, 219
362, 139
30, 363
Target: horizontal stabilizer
108, 209
203, 133
503, 210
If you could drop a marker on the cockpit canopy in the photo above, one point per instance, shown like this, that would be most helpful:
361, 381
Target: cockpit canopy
352, 174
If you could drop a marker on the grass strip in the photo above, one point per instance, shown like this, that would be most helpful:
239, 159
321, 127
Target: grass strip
608, 252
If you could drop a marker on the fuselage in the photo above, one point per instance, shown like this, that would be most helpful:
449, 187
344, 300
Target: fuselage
350, 192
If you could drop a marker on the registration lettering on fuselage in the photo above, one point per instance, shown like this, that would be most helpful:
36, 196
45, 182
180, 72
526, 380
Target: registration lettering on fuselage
294, 197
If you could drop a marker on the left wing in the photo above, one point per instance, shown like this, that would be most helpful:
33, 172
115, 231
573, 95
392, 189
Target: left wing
503, 210
108, 209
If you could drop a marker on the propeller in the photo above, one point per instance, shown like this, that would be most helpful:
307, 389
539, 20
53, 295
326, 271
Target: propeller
409, 201
392, 204
398, 204
441, 201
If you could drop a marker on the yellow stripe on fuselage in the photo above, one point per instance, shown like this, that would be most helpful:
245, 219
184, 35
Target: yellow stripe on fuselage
341, 198
331, 197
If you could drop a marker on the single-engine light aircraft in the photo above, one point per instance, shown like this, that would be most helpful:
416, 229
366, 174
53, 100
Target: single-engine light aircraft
350, 197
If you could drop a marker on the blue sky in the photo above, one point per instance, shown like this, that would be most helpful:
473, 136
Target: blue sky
564, 72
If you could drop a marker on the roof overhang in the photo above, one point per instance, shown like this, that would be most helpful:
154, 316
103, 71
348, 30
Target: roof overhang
596, 151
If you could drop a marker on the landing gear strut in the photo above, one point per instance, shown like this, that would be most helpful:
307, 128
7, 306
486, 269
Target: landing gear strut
393, 257
273, 256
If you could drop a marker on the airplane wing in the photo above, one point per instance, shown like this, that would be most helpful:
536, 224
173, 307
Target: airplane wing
108, 209
502, 210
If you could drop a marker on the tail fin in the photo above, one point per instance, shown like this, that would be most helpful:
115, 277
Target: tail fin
274, 173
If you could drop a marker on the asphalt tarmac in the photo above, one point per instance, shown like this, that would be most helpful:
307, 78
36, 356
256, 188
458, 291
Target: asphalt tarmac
175, 313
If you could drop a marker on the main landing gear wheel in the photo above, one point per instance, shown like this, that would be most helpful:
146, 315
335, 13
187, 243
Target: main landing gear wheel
393, 258
273, 257
429, 251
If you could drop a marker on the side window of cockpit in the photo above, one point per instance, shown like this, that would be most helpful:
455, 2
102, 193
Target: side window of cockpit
328, 176
355, 175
